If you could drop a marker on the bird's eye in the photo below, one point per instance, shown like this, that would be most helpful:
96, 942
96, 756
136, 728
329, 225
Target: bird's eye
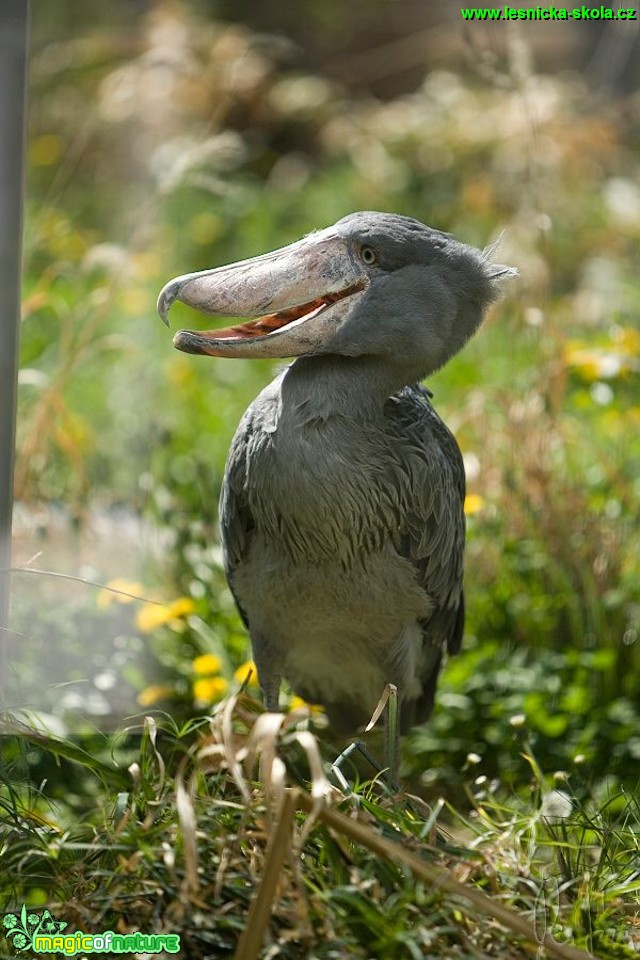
368, 255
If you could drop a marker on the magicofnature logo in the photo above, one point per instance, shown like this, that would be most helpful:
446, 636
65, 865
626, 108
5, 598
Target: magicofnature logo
44, 934
22, 928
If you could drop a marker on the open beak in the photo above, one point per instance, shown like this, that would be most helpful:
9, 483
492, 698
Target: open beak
299, 294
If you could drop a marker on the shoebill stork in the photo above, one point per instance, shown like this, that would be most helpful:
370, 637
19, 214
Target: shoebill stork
342, 503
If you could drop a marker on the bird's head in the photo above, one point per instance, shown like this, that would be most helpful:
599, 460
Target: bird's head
373, 284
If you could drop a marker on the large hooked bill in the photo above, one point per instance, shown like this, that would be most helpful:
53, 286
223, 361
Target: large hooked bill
299, 295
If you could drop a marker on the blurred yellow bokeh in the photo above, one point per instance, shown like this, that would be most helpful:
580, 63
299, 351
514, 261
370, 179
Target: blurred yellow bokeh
151, 616
296, 703
119, 591
209, 689
207, 663
46, 150
473, 503
154, 694
247, 673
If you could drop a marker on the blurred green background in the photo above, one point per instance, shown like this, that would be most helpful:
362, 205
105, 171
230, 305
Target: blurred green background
168, 137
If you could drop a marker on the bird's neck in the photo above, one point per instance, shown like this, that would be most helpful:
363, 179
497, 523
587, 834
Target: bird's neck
332, 385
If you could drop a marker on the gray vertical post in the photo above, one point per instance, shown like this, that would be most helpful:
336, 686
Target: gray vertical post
14, 16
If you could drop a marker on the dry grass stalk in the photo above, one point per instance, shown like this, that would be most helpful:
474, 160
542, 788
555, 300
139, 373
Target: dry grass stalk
440, 878
261, 907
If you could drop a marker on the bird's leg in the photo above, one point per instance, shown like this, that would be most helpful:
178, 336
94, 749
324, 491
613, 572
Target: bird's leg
271, 692
392, 738
336, 767
388, 704
269, 674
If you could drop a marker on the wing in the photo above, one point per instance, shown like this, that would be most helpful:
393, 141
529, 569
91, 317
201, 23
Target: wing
236, 521
432, 528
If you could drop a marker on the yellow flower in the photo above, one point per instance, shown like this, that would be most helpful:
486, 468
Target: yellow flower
210, 689
599, 363
110, 595
617, 357
241, 674
154, 615
207, 663
473, 503
153, 694
296, 702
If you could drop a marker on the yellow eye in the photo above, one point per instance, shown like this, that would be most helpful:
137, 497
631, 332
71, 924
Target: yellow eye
368, 255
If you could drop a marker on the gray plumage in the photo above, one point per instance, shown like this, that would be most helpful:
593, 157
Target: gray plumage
342, 504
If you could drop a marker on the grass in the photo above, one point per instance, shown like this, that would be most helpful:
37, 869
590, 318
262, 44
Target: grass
228, 832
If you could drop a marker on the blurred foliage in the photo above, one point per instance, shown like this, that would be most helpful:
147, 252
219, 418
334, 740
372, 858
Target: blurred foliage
173, 141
